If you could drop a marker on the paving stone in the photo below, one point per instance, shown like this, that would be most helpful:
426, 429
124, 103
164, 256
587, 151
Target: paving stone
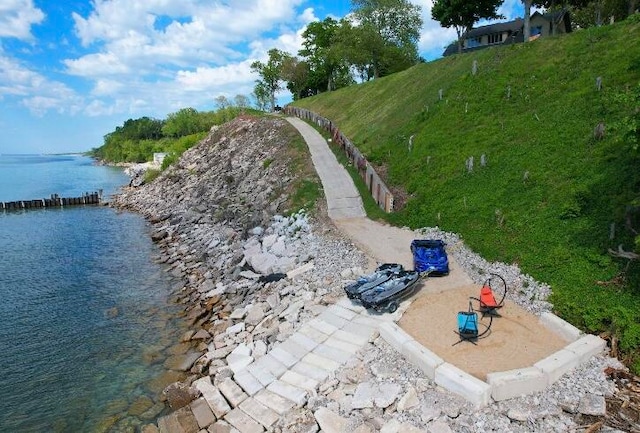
332, 353
232, 392
300, 381
213, 397
279, 405
290, 392
238, 361
350, 305
314, 333
352, 338
302, 340
332, 319
180, 421
342, 345
284, 357
243, 422
248, 382
330, 422
361, 330
310, 370
259, 412
321, 361
261, 374
293, 348
340, 311
366, 319
202, 412
272, 365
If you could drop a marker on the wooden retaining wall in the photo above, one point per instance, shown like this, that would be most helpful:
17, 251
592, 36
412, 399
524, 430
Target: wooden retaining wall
378, 189
54, 201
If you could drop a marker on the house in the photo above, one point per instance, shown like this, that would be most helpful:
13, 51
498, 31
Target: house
511, 32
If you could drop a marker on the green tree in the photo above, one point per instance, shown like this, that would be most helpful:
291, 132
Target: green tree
383, 36
463, 14
261, 95
271, 73
328, 70
183, 122
241, 101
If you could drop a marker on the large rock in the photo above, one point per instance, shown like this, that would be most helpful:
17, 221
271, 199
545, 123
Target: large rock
180, 421
181, 362
263, 263
179, 394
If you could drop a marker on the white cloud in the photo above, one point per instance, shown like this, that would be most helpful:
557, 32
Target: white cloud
17, 17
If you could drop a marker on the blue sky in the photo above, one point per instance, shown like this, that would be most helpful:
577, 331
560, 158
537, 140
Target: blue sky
73, 70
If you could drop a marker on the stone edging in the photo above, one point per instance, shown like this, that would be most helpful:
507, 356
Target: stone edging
505, 384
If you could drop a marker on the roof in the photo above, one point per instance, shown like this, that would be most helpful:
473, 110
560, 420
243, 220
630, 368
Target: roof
509, 26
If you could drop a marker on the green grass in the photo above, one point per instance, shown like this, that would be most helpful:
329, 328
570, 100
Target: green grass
554, 221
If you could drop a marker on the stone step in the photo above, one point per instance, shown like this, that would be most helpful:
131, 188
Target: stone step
212, 396
310, 370
259, 412
321, 362
342, 345
248, 382
300, 381
290, 392
232, 392
243, 422
303, 340
342, 312
278, 404
284, 357
332, 353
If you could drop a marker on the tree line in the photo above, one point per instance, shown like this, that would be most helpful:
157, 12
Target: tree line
136, 140
380, 37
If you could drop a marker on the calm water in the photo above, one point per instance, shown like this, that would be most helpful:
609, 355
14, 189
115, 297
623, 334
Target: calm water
84, 312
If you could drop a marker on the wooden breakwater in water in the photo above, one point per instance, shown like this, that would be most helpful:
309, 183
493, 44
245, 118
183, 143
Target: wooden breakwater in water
54, 201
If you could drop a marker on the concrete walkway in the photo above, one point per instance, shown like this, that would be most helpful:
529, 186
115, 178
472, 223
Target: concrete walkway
343, 199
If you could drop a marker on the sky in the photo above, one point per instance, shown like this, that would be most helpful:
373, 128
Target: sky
73, 70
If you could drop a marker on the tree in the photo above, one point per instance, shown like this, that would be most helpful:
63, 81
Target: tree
183, 122
261, 96
241, 101
328, 70
296, 74
382, 36
271, 73
222, 102
463, 14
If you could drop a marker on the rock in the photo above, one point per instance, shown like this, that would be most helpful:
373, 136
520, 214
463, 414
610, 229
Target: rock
112, 312
153, 411
387, 394
518, 414
391, 426
409, 400
181, 362
429, 413
201, 335
179, 394
140, 405
187, 336
263, 263
330, 422
235, 329
364, 396
149, 428
202, 412
238, 314
439, 427
594, 405
297, 421
180, 421
255, 314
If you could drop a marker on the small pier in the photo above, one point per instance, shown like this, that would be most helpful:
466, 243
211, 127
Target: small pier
55, 201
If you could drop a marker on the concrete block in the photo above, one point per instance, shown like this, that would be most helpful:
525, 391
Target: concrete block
332, 353
310, 370
394, 335
330, 422
330, 318
342, 345
587, 346
298, 380
290, 392
347, 303
284, 357
561, 327
271, 364
274, 402
557, 364
516, 383
248, 382
340, 311
463, 384
259, 412
232, 392
357, 339
316, 331
324, 326
214, 399
295, 349
202, 412
370, 333
421, 357
261, 374
321, 361
243, 422
302, 339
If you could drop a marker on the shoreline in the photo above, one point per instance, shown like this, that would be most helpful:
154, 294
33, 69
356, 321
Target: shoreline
237, 319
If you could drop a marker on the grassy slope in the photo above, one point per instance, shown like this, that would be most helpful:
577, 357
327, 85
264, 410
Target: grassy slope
556, 223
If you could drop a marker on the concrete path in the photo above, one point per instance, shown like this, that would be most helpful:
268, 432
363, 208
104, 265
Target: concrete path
343, 199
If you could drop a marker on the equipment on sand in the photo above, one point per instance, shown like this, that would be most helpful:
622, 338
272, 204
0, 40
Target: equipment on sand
368, 282
468, 326
430, 256
388, 295
487, 301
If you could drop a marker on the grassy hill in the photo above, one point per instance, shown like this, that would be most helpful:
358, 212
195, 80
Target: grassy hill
549, 191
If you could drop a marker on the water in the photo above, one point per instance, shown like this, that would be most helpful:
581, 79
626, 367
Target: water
84, 313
